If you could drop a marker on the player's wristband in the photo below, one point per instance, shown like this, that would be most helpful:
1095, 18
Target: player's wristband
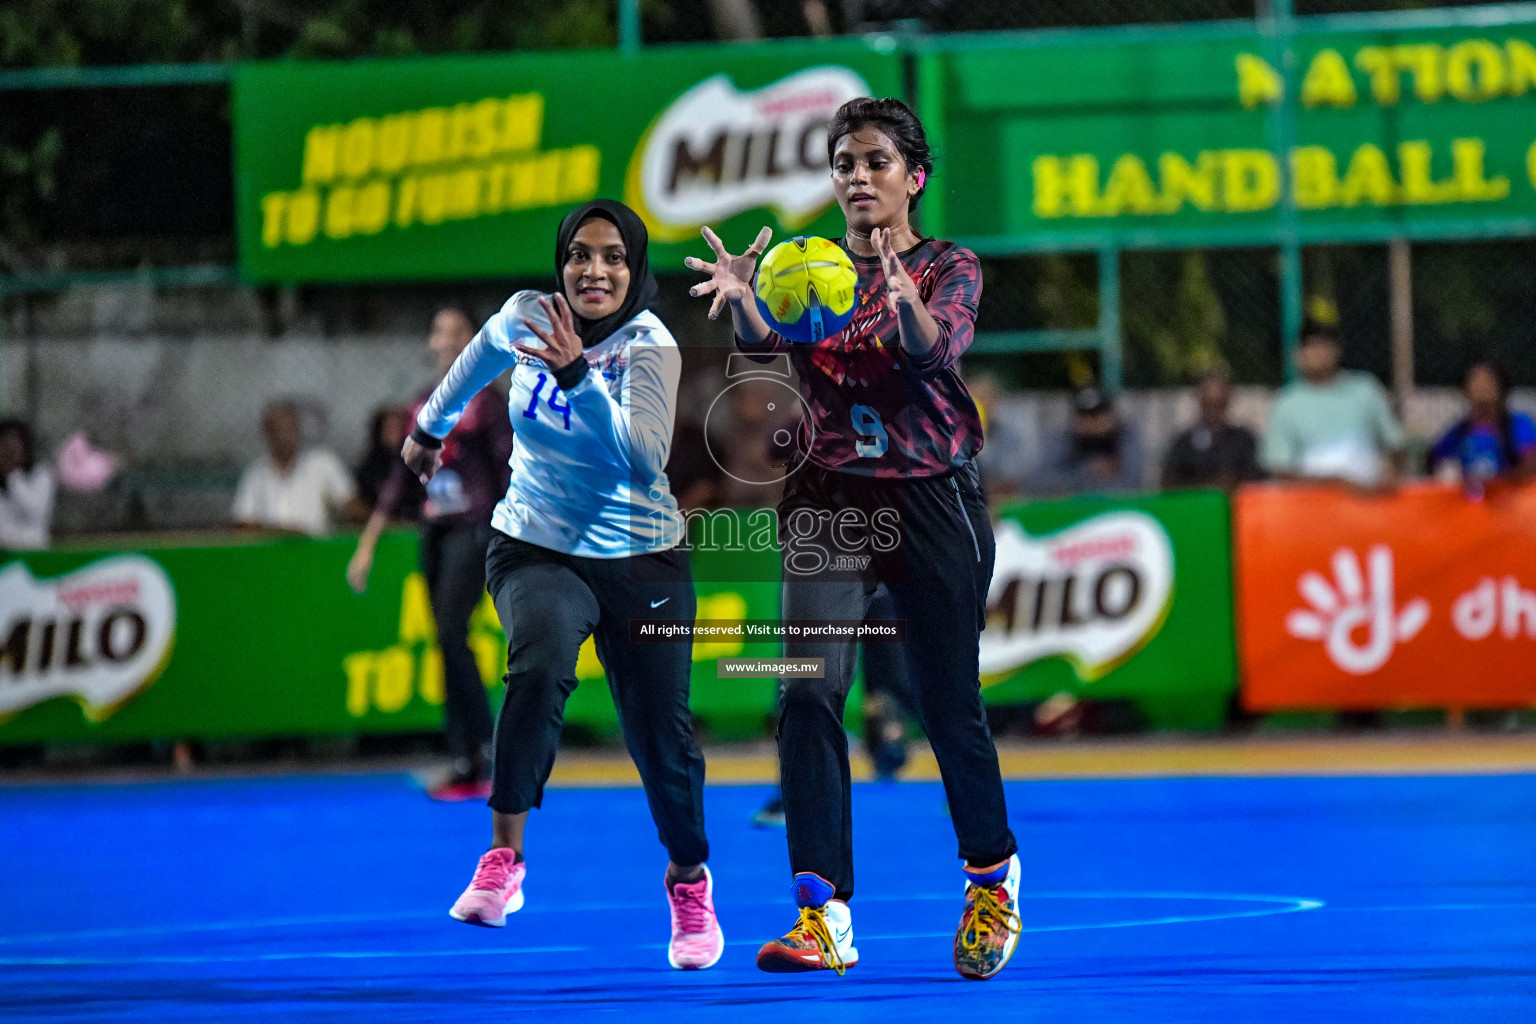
572, 373
425, 439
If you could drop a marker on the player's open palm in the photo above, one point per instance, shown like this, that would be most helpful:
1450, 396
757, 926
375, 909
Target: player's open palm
900, 289
730, 277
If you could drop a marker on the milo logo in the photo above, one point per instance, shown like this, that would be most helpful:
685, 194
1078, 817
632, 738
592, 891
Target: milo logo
717, 151
99, 634
1093, 593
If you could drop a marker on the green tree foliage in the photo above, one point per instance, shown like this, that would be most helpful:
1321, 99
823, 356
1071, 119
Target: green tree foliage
84, 33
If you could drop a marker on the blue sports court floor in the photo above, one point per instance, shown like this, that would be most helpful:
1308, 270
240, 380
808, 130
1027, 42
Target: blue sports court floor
325, 898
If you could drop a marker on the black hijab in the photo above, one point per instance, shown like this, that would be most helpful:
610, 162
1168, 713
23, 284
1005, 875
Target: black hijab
643, 291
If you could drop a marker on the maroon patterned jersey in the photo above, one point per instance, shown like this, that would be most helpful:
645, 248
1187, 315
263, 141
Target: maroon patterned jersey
875, 410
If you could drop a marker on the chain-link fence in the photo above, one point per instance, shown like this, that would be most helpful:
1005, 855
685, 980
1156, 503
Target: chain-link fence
667, 21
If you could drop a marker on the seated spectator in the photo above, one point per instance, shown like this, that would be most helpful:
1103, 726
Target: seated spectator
1490, 441
1004, 458
293, 488
385, 436
1333, 424
26, 490
1098, 453
1213, 452
691, 469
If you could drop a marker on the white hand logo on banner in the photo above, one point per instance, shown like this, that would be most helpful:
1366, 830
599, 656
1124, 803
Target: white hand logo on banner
1341, 609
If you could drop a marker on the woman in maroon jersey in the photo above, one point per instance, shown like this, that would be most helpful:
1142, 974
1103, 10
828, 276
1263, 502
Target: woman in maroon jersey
884, 489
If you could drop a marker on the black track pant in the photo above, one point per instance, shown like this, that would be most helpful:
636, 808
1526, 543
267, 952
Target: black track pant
549, 604
453, 563
937, 565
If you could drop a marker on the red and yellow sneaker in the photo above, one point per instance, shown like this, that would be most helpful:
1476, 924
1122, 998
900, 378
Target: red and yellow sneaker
821, 940
989, 927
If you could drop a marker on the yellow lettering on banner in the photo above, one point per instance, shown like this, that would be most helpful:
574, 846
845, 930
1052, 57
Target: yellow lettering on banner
1474, 71
1368, 179
359, 669
475, 126
1416, 158
490, 657
464, 194
1522, 66
1183, 183
370, 211
546, 177
729, 606
392, 683
1423, 61
357, 143
427, 139
493, 199
1250, 180
1328, 82
303, 216
520, 184
431, 684
1376, 61
392, 147
1129, 189
434, 198
320, 145
405, 202
1467, 157
1066, 187
1314, 177
582, 164
1257, 82
273, 206
338, 212
416, 622
522, 123
587, 664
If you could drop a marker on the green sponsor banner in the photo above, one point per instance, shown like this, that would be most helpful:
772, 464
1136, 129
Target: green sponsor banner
1170, 136
1109, 599
1115, 599
265, 638
455, 167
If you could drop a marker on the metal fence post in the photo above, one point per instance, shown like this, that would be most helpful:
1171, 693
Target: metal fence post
1277, 21
629, 27
1111, 351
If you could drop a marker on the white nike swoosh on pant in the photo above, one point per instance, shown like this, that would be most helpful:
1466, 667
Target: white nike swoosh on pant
658, 604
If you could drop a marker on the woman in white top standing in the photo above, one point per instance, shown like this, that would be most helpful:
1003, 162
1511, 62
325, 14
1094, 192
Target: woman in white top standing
26, 490
586, 540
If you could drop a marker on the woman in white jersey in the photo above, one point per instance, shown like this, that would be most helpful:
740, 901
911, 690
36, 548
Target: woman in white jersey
586, 540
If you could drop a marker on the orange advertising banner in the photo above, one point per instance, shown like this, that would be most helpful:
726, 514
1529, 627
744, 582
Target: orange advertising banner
1420, 598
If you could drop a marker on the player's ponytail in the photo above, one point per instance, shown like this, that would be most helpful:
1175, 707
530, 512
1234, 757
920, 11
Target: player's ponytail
896, 121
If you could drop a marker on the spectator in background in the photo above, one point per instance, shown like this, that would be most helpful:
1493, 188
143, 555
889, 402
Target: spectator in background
1333, 424
1004, 458
386, 434
1098, 453
1213, 452
455, 533
1490, 441
765, 419
26, 490
691, 469
291, 487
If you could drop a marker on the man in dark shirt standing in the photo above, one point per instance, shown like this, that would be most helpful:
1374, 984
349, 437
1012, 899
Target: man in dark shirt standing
455, 532
1213, 452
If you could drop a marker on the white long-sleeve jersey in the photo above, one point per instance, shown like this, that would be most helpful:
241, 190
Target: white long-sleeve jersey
589, 466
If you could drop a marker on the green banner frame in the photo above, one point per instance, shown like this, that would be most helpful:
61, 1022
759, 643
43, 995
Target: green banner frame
269, 641
462, 167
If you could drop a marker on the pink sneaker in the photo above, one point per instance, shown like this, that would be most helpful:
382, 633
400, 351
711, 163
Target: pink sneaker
494, 892
697, 941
